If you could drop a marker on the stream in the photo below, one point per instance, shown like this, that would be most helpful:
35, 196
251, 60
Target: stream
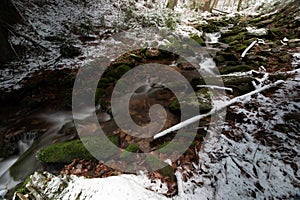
15, 168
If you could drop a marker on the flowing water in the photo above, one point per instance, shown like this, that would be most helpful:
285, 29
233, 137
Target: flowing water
14, 169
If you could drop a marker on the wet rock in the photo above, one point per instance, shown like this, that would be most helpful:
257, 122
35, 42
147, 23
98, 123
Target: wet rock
198, 39
8, 149
228, 56
69, 51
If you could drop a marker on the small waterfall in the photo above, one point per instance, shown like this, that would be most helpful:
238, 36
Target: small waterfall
6, 182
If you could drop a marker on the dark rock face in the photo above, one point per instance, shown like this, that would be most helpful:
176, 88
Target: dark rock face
8, 16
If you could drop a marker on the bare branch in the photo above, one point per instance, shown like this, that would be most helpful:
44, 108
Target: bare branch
215, 110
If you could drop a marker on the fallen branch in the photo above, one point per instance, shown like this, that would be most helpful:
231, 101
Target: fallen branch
221, 11
24, 19
214, 110
248, 48
215, 87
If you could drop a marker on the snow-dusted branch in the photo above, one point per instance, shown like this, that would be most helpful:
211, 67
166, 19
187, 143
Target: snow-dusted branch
215, 110
248, 48
215, 87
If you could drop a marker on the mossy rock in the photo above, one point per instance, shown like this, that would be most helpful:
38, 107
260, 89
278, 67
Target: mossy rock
136, 57
255, 20
114, 139
233, 32
210, 28
284, 58
105, 81
65, 152
227, 55
275, 33
244, 88
132, 148
237, 68
234, 39
233, 80
203, 102
69, 51
117, 72
126, 60
219, 59
240, 47
100, 92
227, 80
198, 39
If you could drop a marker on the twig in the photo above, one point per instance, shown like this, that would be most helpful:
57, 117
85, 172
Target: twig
13, 49
221, 11
215, 87
248, 48
226, 172
22, 16
214, 110
269, 171
255, 152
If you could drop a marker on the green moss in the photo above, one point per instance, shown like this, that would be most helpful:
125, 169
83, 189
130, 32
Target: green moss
118, 71
237, 68
65, 152
22, 189
210, 28
131, 148
99, 93
284, 58
277, 77
234, 39
227, 80
275, 33
114, 139
219, 59
136, 57
198, 39
203, 102
104, 82
245, 88
255, 20
240, 47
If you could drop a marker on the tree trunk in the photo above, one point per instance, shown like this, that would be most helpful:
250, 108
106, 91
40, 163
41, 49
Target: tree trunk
172, 4
215, 3
206, 6
239, 5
